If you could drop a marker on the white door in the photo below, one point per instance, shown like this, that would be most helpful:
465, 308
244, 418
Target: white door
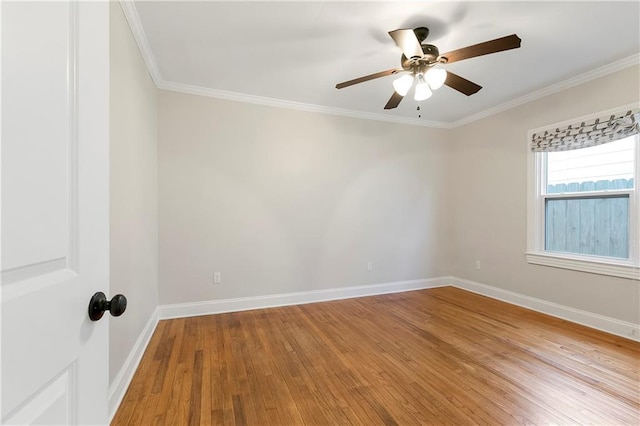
55, 204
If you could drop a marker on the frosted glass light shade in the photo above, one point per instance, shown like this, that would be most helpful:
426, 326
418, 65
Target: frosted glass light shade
436, 77
422, 89
403, 84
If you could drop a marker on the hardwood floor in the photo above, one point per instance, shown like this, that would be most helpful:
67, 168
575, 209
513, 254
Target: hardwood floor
437, 356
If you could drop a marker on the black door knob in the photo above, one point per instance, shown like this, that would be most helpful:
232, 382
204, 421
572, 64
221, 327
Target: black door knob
99, 304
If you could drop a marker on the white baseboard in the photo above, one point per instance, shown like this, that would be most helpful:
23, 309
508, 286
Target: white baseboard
589, 319
209, 307
121, 383
181, 310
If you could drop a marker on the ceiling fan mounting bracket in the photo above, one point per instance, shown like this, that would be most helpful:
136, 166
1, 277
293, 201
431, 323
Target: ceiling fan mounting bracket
421, 33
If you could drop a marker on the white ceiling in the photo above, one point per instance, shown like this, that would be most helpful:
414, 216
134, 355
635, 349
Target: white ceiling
292, 53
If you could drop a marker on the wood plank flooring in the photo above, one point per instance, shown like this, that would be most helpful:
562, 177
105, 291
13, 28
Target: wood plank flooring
437, 356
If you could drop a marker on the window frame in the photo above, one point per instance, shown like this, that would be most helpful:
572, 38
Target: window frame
536, 200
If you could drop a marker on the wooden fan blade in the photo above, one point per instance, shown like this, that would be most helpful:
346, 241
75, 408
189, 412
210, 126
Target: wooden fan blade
407, 41
498, 45
460, 84
393, 101
367, 78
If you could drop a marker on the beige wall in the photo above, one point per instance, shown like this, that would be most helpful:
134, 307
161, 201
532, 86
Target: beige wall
284, 201
489, 201
134, 190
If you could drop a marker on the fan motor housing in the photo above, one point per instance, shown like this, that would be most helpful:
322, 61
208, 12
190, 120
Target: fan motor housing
429, 59
430, 51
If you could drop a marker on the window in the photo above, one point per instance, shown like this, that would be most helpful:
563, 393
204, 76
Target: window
583, 210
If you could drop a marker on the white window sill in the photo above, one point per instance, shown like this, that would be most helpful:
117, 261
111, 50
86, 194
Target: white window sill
593, 266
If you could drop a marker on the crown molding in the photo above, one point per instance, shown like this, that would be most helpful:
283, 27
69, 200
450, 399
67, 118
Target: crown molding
241, 97
554, 88
131, 14
280, 103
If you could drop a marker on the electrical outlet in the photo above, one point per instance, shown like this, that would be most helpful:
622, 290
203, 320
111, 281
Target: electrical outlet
217, 277
369, 266
477, 264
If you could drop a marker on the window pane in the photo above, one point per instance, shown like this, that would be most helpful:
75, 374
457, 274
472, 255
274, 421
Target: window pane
592, 226
608, 166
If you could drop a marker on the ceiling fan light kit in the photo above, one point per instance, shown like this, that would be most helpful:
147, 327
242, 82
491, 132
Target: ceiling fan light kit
419, 59
422, 91
436, 77
433, 79
402, 84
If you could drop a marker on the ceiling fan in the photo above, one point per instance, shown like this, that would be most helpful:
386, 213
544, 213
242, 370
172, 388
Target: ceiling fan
419, 61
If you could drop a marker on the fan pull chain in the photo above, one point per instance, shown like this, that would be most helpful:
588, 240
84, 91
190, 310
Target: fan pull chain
418, 109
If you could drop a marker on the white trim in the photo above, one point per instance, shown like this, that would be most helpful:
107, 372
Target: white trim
131, 13
129, 9
554, 88
121, 383
241, 97
536, 195
593, 266
599, 322
589, 194
181, 310
299, 106
123, 379
634, 205
610, 325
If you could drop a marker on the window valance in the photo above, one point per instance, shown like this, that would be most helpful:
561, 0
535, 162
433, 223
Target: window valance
589, 133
